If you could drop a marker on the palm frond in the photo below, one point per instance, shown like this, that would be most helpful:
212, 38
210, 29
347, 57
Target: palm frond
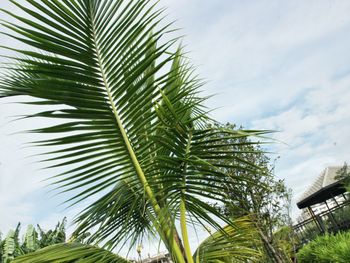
231, 245
69, 253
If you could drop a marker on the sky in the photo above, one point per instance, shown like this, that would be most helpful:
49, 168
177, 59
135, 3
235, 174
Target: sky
278, 65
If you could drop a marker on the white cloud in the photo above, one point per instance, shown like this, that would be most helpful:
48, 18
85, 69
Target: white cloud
315, 130
280, 65
259, 56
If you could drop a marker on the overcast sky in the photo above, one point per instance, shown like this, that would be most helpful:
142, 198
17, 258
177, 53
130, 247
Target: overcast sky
281, 65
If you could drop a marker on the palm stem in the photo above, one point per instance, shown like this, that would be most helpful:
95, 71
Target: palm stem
183, 209
185, 232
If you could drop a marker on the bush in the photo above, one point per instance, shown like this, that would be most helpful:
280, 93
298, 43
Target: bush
327, 249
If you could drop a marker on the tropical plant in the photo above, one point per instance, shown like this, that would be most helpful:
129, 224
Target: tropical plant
326, 249
133, 133
12, 246
9, 247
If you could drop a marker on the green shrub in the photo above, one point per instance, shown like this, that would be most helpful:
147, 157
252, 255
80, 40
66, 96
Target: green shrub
327, 249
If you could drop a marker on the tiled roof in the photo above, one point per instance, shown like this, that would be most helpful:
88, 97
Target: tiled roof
327, 177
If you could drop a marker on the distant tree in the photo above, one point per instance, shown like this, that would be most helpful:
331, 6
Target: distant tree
265, 198
343, 175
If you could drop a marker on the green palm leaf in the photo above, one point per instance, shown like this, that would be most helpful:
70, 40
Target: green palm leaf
133, 131
231, 245
71, 253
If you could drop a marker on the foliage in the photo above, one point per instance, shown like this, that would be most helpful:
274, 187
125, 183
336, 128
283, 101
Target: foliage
268, 199
310, 231
342, 214
218, 247
33, 239
132, 132
326, 249
343, 174
10, 246
286, 241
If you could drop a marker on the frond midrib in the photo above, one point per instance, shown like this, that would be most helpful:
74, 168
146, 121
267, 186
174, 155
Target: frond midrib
139, 171
122, 130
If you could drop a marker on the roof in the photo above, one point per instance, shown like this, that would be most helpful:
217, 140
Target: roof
323, 188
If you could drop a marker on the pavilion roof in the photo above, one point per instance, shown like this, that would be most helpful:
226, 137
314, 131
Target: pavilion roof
323, 188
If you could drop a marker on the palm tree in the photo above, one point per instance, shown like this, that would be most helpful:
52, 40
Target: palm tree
133, 131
